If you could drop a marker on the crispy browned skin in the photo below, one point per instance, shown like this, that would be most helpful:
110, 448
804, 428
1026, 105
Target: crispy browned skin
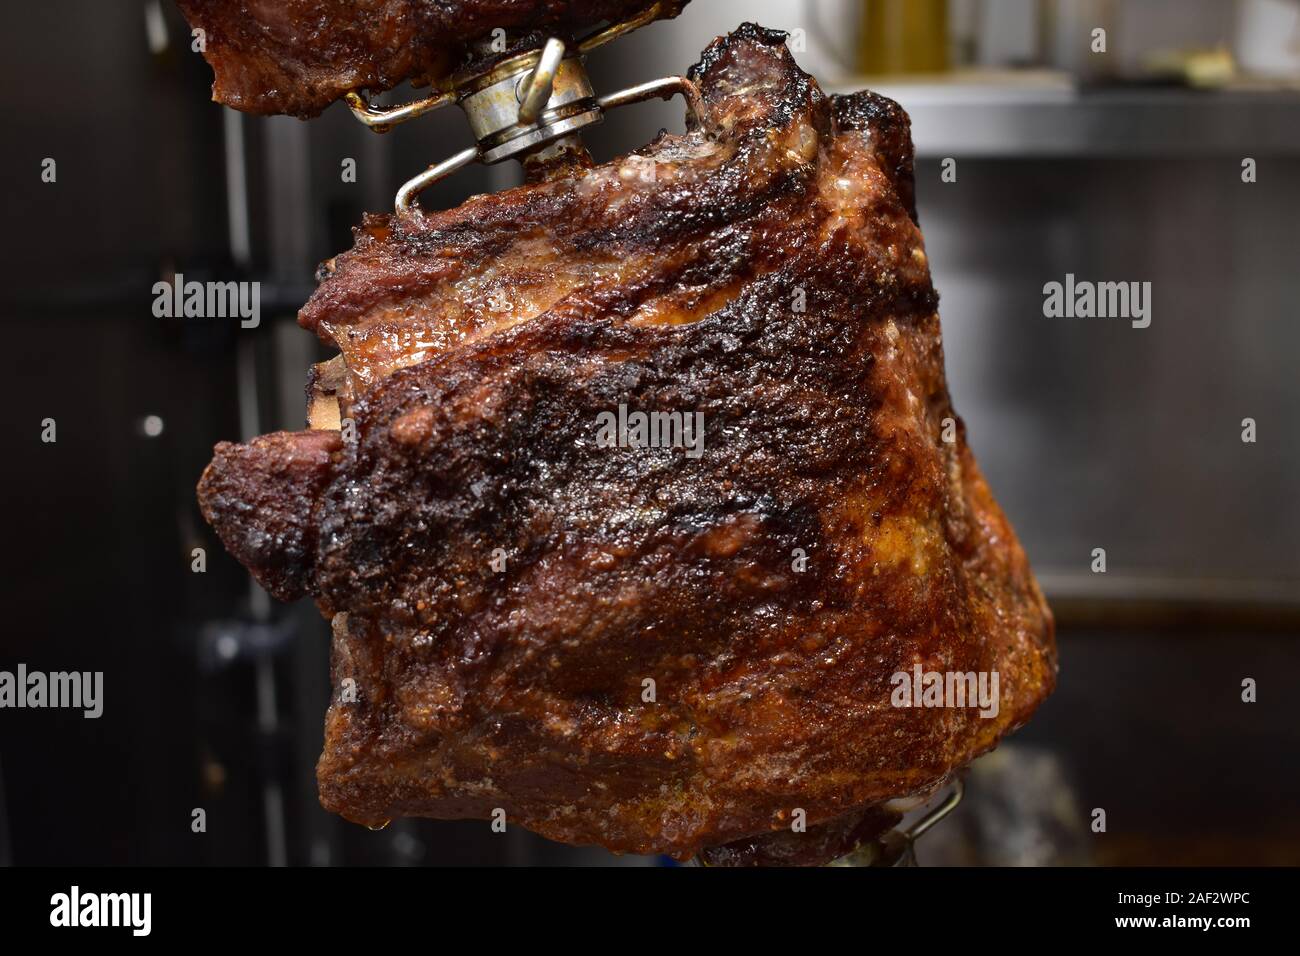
770, 275
299, 56
261, 499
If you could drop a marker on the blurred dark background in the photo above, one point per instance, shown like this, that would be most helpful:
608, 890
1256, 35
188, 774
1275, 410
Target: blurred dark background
1092, 434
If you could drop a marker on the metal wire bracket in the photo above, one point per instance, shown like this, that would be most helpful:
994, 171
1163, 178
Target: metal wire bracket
898, 847
525, 104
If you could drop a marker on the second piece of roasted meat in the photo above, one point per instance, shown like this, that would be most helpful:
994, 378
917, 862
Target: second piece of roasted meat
665, 641
299, 56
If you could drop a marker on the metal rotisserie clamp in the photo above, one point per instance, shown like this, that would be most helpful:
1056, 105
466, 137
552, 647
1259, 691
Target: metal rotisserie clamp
530, 106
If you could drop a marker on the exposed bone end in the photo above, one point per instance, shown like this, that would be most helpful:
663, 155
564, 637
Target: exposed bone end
328, 394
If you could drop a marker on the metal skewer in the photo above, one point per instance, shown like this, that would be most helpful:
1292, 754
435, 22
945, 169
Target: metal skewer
949, 804
898, 847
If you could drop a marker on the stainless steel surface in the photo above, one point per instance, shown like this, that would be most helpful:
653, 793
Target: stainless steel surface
382, 119
1054, 119
1171, 604
417, 184
534, 90
529, 107
498, 103
1094, 434
496, 116
932, 816
663, 89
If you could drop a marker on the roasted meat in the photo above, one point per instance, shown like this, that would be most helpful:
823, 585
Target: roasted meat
653, 645
299, 56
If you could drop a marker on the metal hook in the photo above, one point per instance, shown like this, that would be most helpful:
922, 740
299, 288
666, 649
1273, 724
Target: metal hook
921, 826
663, 89
416, 184
526, 138
524, 104
382, 120
535, 89
896, 847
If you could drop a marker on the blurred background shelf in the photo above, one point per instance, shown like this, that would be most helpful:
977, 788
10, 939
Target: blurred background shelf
1171, 604
1041, 114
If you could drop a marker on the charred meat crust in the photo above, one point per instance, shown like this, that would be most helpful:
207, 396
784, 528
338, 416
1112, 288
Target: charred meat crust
891, 136
502, 589
261, 499
299, 56
773, 685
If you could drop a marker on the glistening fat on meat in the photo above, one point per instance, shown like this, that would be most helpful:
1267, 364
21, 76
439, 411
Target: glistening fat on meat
631, 646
